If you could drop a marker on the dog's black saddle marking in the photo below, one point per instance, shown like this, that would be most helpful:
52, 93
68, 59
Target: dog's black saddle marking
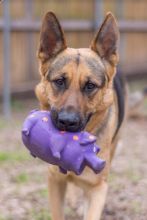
119, 86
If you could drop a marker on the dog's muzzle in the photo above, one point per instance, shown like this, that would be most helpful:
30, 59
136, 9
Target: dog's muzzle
67, 120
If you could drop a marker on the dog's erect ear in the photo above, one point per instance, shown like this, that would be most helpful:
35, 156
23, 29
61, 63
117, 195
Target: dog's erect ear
52, 39
106, 40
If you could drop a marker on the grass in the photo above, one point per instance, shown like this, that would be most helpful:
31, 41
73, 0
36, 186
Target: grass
5, 218
42, 214
22, 178
13, 156
43, 193
2, 218
37, 178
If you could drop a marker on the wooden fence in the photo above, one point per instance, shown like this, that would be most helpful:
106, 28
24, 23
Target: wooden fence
80, 19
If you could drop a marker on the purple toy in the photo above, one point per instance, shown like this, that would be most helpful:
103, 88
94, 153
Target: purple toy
70, 151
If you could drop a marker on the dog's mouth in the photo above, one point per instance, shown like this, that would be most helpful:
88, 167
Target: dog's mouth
69, 121
88, 118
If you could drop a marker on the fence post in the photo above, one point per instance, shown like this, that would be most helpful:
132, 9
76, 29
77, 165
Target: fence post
98, 13
6, 61
120, 11
29, 38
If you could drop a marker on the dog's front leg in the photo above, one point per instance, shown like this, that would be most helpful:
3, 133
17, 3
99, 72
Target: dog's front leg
95, 201
57, 187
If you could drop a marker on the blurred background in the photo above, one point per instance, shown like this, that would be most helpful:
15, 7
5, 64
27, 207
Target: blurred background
24, 179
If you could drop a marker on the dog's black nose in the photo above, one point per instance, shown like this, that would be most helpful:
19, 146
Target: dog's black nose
69, 121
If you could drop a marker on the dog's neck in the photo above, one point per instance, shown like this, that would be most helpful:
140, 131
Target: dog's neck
98, 122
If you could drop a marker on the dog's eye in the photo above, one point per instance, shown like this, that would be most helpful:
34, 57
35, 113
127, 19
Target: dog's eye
89, 87
60, 82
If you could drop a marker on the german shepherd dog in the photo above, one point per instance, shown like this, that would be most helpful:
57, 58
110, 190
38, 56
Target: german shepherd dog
83, 92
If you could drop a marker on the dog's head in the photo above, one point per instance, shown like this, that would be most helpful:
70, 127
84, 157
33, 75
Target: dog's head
76, 83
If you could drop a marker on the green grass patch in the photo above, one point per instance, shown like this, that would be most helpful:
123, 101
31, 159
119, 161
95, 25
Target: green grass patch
43, 214
22, 178
2, 218
36, 178
43, 193
13, 156
5, 218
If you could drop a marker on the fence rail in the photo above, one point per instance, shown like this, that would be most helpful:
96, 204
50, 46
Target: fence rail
75, 25
22, 47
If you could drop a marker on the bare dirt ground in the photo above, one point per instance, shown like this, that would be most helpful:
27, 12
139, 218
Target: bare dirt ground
23, 179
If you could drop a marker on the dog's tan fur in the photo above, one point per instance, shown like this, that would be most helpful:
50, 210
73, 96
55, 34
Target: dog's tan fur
55, 58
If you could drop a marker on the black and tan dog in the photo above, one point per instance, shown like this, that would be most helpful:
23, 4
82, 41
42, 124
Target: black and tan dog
83, 91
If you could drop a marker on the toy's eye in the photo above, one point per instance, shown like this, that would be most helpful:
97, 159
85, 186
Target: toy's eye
89, 87
60, 83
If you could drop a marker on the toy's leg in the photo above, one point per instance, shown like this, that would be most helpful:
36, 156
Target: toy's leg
62, 170
57, 187
56, 150
95, 201
28, 124
94, 162
55, 153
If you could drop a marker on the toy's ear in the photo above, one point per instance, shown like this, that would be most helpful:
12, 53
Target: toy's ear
105, 43
86, 139
52, 39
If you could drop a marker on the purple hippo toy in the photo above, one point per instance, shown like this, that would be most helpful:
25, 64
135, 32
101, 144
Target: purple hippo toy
70, 151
